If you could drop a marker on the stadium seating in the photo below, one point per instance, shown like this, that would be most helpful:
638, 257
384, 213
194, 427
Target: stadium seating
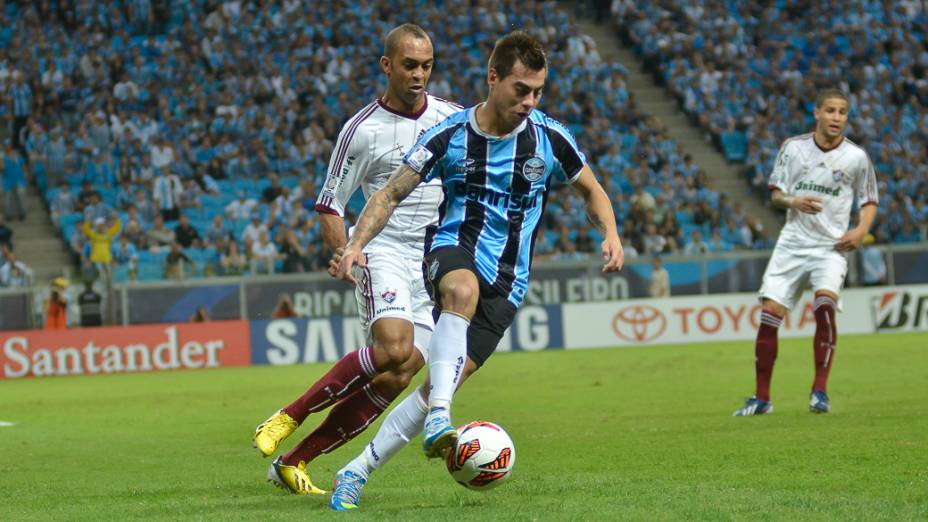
247, 90
747, 72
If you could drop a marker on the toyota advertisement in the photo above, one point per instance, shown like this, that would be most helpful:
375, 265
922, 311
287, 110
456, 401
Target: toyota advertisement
645, 322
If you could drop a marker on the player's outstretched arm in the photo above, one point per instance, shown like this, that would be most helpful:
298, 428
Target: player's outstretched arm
851, 240
599, 211
806, 204
374, 217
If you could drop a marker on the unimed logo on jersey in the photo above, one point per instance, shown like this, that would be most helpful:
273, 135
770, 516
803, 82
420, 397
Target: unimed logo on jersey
639, 323
901, 310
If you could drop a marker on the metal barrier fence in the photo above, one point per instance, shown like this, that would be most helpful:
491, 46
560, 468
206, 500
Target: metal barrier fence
318, 295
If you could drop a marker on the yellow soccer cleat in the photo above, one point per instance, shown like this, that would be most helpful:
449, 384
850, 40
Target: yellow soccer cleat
294, 479
270, 433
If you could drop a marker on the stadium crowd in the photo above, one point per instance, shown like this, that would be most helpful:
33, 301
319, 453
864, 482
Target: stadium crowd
746, 72
191, 137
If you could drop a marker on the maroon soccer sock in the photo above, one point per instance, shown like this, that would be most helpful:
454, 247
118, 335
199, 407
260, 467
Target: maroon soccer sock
765, 353
826, 336
350, 373
347, 420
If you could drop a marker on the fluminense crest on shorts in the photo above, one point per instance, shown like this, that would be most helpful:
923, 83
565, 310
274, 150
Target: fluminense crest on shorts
388, 295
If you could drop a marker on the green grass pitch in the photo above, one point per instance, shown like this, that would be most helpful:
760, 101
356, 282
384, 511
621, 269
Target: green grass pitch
621, 434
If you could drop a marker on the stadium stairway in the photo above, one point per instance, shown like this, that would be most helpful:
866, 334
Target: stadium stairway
38, 244
656, 102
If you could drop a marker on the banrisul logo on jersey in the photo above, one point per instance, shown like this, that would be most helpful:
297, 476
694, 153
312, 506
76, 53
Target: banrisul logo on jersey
821, 189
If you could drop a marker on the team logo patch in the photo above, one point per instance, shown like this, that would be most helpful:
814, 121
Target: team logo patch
837, 175
418, 158
433, 270
388, 295
533, 169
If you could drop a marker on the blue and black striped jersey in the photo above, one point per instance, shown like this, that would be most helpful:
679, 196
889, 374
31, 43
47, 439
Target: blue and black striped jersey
495, 190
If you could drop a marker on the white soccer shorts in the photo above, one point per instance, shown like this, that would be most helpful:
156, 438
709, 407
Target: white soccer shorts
392, 285
791, 270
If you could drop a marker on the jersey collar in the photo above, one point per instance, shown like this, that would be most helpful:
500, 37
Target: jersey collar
472, 118
410, 115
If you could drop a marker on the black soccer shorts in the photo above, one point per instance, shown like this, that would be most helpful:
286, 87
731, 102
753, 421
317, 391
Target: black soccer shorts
494, 312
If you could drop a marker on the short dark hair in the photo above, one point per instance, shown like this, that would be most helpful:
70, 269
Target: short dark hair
521, 46
830, 92
392, 41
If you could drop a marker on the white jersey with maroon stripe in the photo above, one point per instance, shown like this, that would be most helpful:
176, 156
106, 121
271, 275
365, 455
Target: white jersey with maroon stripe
836, 176
370, 147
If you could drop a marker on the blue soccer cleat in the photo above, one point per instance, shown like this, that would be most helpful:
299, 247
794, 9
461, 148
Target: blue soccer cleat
818, 402
439, 434
347, 494
754, 406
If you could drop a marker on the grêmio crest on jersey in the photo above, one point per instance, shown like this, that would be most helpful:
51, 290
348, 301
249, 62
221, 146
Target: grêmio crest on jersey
533, 169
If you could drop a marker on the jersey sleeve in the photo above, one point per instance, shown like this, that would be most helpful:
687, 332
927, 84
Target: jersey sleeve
865, 188
779, 178
346, 170
431, 148
570, 160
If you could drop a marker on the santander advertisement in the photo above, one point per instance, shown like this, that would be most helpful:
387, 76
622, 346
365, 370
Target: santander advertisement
91, 351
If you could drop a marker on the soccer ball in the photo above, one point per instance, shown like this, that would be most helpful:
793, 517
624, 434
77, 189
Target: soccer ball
483, 457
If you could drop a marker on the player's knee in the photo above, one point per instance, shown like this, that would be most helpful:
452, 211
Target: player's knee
773, 307
394, 349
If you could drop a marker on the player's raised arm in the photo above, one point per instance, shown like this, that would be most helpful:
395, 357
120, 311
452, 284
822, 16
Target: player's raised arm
599, 211
375, 215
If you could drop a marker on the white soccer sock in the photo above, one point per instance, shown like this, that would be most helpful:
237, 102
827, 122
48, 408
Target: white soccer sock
402, 424
447, 352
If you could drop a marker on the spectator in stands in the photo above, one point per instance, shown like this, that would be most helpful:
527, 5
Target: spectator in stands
166, 193
176, 262
101, 235
145, 208
189, 197
253, 231
14, 182
14, 273
659, 285
63, 203
21, 95
56, 306
654, 243
125, 254
217, 231
6, 238
96, 208
205, 182
716, 243
242, 208
90, 303
159, 238
85, 196
272, 192
696, 246
263, 254
232, 262
292, 253
872, 263
185, 234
